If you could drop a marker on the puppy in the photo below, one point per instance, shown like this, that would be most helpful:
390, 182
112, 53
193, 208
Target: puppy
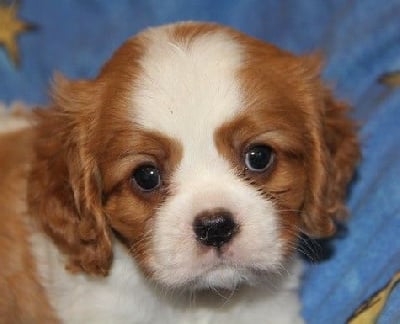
174, 186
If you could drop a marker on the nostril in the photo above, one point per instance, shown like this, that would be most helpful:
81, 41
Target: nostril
214, 228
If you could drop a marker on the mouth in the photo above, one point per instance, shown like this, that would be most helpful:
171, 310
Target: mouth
220, 270
230, 278
218, 247
220, 276
243, 261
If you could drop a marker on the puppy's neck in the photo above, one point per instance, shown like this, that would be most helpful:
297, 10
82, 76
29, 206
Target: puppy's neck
125, 295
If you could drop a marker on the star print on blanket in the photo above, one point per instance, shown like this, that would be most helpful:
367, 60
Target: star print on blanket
10, 28
370, 310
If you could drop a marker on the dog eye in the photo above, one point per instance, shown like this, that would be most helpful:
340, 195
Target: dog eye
259, 158
147, 177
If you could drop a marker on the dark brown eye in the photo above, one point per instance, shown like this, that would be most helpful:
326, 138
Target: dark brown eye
147, 177
259, 158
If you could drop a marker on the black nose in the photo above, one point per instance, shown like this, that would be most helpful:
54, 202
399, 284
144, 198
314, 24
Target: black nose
214, 228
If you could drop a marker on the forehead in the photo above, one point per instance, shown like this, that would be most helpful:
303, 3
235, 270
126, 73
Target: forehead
188, 81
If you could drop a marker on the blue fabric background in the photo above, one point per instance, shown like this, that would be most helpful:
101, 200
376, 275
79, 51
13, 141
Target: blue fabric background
361, 41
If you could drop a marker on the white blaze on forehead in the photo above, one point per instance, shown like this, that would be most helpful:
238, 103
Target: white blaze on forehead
188, 91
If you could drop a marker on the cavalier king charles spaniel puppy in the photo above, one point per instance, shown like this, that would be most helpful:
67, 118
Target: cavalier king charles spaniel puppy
174, 186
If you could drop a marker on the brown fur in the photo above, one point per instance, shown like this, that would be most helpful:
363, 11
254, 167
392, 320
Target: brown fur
85, 152
318, 147
66, 184
128, 209
287, 108
22, 297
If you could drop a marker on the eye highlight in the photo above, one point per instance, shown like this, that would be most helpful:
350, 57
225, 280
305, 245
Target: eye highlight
147, 177
259, 158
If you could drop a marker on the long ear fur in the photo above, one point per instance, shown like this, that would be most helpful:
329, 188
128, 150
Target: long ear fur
65, 184
334, 152
331, 166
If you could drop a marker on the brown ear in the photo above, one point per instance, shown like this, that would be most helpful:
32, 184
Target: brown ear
332, 158
65, 185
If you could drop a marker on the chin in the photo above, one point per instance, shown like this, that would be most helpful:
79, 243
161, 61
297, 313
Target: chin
190, 166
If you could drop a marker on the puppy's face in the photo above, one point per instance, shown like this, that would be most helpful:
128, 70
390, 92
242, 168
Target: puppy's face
204, 151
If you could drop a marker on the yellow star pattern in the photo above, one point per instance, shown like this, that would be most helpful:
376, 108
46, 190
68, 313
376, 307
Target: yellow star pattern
391, 79
10, 28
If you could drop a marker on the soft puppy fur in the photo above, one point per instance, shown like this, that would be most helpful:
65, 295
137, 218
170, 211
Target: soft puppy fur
173, 187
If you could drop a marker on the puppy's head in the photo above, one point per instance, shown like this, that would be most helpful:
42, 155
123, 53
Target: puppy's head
206, 152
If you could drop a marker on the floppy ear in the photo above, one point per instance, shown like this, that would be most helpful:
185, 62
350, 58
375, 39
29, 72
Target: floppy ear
65, 188
332, 154
331, 163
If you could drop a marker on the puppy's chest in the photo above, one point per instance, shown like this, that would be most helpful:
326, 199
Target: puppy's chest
126, 297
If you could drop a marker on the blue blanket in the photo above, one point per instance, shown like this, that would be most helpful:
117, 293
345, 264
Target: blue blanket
361, 42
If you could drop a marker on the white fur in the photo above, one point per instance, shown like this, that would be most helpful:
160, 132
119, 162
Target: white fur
179, 261
186, 93
9, 121
126, 297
